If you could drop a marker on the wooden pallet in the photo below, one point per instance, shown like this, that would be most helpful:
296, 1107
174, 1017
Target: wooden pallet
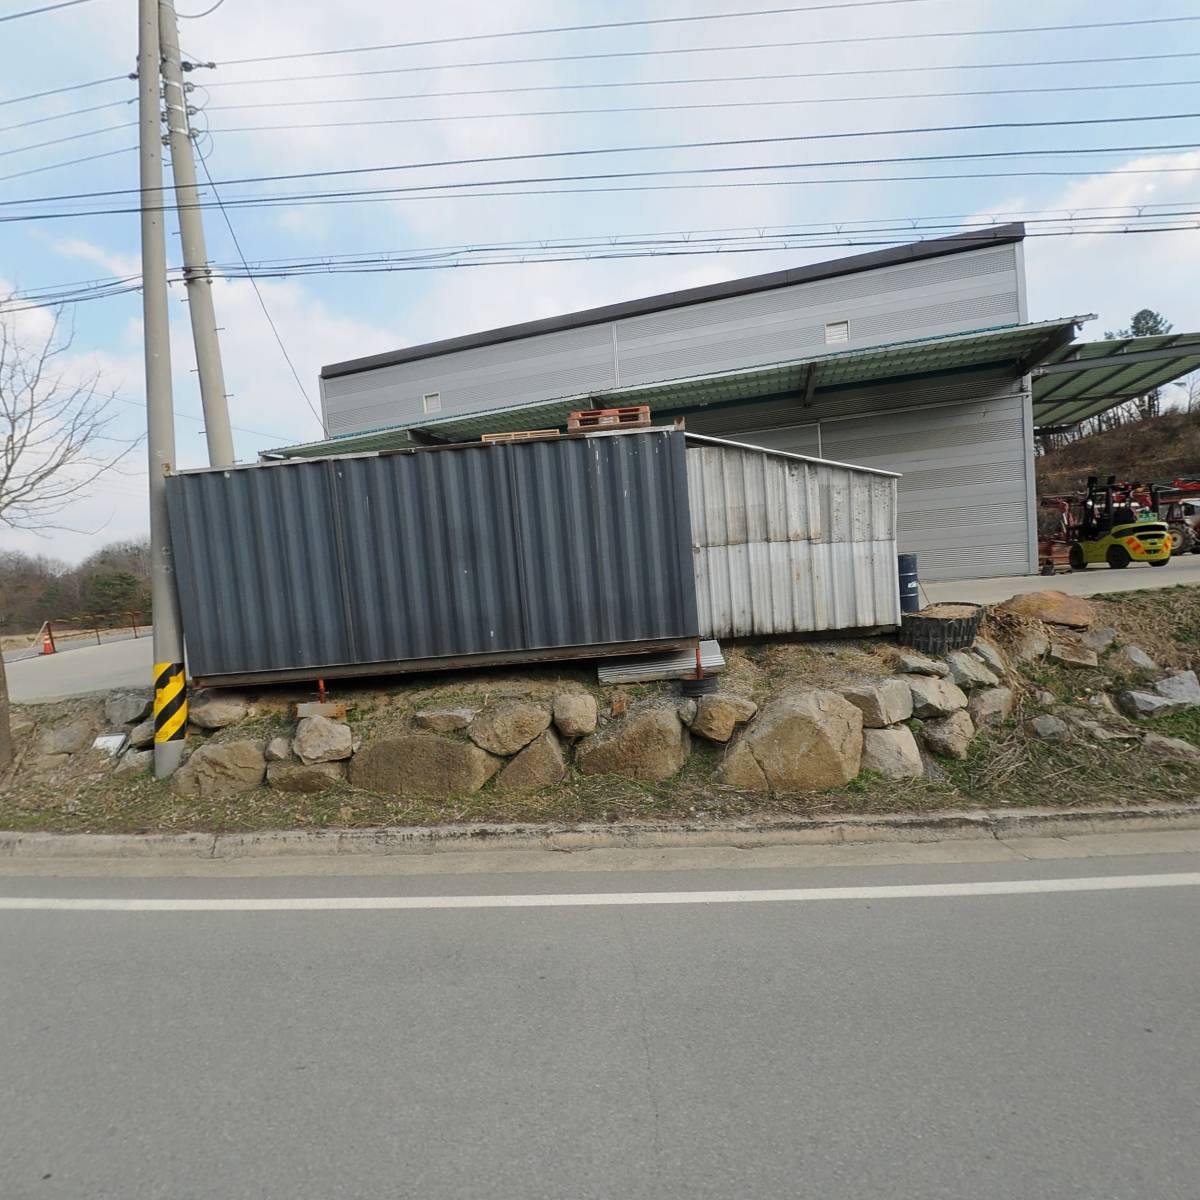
631, 417
521, 435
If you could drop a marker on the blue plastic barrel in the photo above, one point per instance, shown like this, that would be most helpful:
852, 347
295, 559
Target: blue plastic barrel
910, 587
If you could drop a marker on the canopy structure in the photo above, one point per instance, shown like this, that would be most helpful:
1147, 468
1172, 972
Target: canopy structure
1078, 382
1019, 347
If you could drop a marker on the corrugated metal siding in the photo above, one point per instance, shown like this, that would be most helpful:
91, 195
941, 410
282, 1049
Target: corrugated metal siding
960, 292
482, 550
787, 546
958, 443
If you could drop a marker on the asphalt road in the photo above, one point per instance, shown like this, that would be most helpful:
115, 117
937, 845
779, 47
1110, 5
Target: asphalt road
863, 1044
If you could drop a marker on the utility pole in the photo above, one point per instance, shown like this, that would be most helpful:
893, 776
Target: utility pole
170, 696
196, 273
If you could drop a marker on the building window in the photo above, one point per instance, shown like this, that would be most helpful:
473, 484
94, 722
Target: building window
431, 402
837, 333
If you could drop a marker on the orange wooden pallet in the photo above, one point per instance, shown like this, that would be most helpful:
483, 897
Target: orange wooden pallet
630, 417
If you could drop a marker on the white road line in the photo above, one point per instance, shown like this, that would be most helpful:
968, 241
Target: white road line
907, 891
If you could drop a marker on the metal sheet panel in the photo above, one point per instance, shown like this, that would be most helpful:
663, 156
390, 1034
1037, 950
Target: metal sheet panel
486, 550
787, 545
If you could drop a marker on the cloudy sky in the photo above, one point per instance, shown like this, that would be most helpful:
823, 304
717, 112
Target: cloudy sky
847, 67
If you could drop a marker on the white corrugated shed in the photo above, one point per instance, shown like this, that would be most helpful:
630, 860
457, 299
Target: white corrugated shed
783, 543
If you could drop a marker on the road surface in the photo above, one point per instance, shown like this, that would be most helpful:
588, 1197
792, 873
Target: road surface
1027, 1031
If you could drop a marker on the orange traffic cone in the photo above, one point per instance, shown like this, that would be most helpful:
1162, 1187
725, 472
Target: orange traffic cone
47, 643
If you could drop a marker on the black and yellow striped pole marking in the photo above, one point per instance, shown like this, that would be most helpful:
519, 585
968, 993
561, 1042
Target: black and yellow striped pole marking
170, 702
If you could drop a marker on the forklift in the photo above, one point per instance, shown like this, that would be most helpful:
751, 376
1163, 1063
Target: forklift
1118, 523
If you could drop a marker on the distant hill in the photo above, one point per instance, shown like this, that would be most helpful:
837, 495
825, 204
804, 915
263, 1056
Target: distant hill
1155, 450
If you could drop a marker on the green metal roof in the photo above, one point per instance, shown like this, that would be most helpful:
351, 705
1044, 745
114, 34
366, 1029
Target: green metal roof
1078, 382
1011, 345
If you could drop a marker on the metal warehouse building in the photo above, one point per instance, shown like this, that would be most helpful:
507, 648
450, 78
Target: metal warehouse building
918, 359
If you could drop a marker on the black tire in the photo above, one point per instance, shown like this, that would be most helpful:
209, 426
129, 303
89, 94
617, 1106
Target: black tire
1183, 540
1075, 557
1160, 562
1118, 558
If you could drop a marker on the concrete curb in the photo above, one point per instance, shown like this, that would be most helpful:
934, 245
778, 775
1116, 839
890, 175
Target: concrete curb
1000, 824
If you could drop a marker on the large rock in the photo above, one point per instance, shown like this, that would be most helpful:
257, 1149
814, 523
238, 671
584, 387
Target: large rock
1131, 660
216, 712
221, 769
909, 662
134, 762
649, 743
127, 708
506, 727
1032, 644
991, 706
882, 704
801, 741
935, 697
444, 720
968, 671
992, 656
141, 736
68, 738
1183, 685
1047, 728
422, 764
1169, 747
279, 749
1148, 704
319, 740
305, 778
539, 765
892, 753
719, 714
1072, 654
1098, 639
1055, 608
575, 714
950, 736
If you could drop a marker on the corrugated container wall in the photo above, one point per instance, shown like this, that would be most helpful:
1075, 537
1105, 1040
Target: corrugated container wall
782, 544
476, 553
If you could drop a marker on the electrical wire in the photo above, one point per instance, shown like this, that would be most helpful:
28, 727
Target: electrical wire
775, 45
702, 79
33, 12
261, 301
70, 162
74, 112
511, 33
59, 91
444, 191
723, 143
864, 239
719, 104
196, 16
73, 137
909, 225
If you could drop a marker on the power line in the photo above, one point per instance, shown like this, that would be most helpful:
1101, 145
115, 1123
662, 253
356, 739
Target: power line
70, 162
723, 143
702, 79
717, 104
74, 112
73, 137
511, 33
262, 303
59, 91
33, 12
444, 191
775, 45
864, 238
196, 16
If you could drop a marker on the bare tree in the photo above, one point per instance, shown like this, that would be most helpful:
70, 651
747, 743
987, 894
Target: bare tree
56, 440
